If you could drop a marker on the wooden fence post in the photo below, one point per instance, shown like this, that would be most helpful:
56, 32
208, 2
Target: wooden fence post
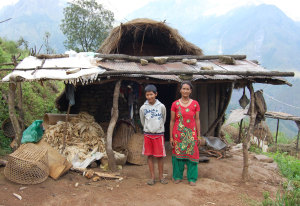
246, 140
114, 117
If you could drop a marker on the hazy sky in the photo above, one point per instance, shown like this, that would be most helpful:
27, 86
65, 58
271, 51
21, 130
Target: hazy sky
121, 8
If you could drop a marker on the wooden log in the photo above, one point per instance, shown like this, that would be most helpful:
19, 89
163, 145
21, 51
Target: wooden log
20, 105
51, 56
12, 114
170, 58
201, 72
246, 140
112, 123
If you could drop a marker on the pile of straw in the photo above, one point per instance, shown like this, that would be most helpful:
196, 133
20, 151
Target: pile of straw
82, 136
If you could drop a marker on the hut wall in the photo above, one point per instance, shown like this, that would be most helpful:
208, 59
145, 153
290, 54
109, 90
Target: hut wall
209, 97
96, 99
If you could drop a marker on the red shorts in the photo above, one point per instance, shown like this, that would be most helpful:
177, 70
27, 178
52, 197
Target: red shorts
154, 145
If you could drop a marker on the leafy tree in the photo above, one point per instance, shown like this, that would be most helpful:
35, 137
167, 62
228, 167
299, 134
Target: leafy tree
86, 24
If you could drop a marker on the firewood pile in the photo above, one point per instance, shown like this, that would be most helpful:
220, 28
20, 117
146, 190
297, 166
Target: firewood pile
79, 136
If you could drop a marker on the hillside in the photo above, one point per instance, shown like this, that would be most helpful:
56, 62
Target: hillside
31, 19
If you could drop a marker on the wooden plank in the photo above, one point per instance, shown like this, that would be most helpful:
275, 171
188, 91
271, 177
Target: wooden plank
203, 101
211, 105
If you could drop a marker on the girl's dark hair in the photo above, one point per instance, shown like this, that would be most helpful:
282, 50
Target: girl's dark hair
188, 83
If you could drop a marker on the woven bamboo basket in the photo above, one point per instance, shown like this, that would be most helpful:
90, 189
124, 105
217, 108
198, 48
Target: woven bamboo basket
8, 129
135, 148
27, 165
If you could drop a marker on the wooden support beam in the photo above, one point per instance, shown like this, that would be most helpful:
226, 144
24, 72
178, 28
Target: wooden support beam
246, 140
201, 72
114, 117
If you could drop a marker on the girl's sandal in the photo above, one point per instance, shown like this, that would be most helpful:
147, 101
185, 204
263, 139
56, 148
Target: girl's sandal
177, 181
163, 181
192, 183
151, 182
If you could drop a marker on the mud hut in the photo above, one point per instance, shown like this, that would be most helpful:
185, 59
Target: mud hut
137, 53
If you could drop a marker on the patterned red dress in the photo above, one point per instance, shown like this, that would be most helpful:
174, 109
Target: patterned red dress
185, 131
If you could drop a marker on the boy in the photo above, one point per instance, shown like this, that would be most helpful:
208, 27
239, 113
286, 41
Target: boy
153, 117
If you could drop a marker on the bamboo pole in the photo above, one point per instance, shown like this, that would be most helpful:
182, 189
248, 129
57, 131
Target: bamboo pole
112, 123
246, 140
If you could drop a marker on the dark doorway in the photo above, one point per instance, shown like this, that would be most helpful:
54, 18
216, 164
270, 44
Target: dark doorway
167, 95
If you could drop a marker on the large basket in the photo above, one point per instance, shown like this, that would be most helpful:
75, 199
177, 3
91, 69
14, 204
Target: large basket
135, 148
27, 165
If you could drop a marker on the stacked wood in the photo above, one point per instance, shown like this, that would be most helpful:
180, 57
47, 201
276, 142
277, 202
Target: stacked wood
83, 136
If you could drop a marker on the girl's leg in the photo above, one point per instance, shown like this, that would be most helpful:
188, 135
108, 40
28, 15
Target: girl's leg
192, 171
151, 167
178, 167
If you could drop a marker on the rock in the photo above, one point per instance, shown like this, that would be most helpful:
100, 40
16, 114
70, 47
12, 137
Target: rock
144, 62
207, 68
189, 61
237, 147
160, 60
76, 184
263, 158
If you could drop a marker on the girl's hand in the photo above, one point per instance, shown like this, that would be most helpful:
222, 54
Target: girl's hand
172, 142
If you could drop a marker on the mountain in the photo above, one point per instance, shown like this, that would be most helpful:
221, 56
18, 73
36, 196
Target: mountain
31, 19
262, 32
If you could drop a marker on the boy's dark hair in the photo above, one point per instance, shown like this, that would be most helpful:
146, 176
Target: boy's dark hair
150, 88
188, 83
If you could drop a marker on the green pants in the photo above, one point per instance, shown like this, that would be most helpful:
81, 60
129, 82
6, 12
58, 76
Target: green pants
178, 168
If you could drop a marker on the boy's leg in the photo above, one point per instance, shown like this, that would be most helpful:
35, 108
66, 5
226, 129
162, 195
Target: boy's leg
151, 167
178, 167
160, 164
192, 171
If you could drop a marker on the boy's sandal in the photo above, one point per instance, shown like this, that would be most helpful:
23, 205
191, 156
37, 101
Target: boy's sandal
163, 181
151, 182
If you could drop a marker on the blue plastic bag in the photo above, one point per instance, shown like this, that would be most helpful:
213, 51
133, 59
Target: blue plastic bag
33, 133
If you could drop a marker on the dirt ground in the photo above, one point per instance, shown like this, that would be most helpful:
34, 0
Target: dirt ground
219, 183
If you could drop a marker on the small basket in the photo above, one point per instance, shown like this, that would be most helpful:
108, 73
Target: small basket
27, 165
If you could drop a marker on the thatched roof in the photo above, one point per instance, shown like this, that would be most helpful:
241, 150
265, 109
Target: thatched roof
142, 37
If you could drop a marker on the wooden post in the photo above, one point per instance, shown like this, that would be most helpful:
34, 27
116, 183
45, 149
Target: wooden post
240, 131
297, 142
20, 105
246, 140
277, 131
114, 117
12, 113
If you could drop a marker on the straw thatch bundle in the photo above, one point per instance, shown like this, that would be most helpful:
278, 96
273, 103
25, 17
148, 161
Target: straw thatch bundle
142, 37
